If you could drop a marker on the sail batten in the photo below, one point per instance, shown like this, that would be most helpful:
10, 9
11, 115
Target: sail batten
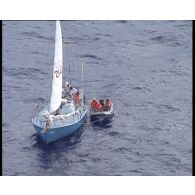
56, 94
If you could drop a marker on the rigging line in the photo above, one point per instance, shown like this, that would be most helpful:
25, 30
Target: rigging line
87, 122
82, 80
69, 73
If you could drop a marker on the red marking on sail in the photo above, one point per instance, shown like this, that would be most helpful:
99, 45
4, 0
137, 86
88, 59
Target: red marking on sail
58, 72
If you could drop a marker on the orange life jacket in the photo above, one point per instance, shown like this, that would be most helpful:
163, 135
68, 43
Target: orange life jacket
77, 98
98, 106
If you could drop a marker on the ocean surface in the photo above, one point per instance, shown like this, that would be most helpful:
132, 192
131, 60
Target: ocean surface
144, 67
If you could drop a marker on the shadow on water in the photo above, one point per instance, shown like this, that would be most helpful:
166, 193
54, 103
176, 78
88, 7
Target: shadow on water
101, 124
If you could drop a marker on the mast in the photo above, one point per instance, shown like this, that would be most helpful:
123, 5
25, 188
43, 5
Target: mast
82, 81
56, 94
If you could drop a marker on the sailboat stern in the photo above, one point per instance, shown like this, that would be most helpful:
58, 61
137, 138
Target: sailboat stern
57, 131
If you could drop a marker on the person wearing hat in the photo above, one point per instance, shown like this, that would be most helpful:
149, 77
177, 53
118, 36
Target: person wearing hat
66, 90
73, 91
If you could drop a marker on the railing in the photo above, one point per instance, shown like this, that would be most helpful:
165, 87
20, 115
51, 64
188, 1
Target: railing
41, 121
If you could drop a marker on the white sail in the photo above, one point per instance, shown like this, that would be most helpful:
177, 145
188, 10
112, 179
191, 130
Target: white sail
56, 95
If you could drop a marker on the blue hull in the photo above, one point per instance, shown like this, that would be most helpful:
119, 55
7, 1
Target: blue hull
58, 133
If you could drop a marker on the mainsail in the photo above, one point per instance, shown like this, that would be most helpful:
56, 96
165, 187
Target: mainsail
56, 95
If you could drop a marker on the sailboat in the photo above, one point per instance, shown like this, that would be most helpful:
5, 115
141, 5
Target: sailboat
62, 116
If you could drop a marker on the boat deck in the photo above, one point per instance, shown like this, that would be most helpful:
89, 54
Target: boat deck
67, 116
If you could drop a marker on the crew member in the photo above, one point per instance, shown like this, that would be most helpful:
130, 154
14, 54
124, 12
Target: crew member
73, 91
107, 105
77, 98
66, 90
93, 104
98, 106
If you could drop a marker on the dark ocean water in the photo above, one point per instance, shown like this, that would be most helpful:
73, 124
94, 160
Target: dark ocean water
145, 67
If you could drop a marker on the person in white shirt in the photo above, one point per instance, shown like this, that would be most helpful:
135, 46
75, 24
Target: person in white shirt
66, 90
73, 91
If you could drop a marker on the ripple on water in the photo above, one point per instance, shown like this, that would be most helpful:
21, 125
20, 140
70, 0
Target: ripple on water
165, 108
92, 56
135, 67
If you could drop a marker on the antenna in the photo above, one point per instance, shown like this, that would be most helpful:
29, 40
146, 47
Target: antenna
82, 82
69, 73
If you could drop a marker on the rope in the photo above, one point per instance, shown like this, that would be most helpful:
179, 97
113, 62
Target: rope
87, 123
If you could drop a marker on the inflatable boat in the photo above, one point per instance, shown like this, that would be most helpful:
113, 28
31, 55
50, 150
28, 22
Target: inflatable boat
105, 115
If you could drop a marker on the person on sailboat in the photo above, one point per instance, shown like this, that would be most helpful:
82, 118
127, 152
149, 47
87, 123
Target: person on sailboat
67, 85
66, 90
73, 91
77, 98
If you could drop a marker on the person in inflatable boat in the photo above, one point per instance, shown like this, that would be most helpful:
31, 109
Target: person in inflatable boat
107, 105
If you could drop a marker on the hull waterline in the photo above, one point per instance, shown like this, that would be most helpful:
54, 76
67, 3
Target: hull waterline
61, 132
